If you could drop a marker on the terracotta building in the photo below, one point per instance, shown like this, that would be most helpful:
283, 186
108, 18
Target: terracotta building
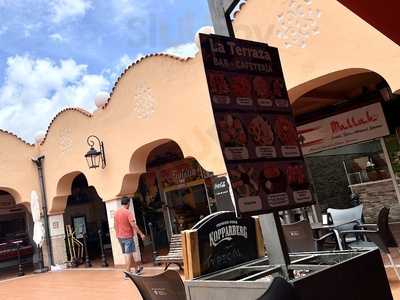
158, 122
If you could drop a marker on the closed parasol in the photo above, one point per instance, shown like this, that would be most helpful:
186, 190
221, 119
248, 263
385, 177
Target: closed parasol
38, 230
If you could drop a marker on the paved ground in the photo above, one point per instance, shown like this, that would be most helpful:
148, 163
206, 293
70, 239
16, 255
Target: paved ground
89, 284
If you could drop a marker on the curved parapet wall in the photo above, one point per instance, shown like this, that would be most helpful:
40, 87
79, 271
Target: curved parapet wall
145, 108
316, 38
162, 98
18, 173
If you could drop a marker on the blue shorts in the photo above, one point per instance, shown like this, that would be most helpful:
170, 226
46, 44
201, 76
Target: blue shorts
127, 245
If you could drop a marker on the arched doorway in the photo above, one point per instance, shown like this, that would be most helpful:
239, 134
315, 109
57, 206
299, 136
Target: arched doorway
85, 212
173, 195
344, 127
15, 225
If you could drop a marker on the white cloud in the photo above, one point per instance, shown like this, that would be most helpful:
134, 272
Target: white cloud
66, 9
34, 90
127, 9
57, 37
183, 50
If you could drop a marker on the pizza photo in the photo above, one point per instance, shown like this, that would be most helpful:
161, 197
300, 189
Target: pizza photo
232, 131
260, 131
285, 131
244, 181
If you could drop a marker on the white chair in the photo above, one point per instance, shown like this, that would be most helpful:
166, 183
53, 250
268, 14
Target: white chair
349, 217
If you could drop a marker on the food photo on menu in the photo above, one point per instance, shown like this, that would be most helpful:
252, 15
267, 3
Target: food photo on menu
219, 88
279, 93
262, 91
273, 180
233, 136
261, 132
242, 89
244, 181
262, 135
287, 135
297, 178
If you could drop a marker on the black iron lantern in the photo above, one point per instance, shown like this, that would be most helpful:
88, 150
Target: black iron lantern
95, 157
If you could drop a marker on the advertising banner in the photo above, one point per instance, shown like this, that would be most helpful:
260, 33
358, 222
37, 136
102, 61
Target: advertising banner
255, 125
225, 241
348, 128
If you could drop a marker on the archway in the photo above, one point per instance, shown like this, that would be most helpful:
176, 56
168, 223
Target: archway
356, 159
85, 213
173, 193
15, 225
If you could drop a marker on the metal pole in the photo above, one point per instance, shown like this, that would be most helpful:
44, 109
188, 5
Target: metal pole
20, 269
88, 263
103, 256
153, 243
271, 225
39, 164
390, 168
220, 11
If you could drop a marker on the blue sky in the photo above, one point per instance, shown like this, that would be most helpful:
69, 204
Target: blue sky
61, 53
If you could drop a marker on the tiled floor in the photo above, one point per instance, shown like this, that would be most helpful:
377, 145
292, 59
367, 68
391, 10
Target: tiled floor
99, 284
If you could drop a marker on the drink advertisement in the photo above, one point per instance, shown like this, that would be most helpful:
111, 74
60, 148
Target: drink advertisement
255, 125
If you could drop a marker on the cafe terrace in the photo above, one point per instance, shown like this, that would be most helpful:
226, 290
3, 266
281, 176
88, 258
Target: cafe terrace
158, 119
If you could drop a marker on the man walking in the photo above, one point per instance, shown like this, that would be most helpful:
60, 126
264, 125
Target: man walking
126, 229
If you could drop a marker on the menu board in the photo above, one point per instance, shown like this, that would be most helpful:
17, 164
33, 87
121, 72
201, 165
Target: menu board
255, 125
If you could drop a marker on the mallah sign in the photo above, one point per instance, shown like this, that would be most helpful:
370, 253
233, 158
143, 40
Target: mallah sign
348, 128
255, 125
225, 241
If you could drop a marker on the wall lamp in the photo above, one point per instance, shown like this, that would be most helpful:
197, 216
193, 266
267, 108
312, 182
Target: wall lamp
94, 157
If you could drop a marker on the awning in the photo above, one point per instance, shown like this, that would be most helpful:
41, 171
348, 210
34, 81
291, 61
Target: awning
383, 15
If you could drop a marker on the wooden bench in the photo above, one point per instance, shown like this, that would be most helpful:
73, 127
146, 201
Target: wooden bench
175, 254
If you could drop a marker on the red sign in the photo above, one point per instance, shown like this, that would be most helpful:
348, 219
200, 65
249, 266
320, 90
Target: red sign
182, 172
255, 125
362, 124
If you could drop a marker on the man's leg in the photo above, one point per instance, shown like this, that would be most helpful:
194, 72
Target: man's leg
128, 261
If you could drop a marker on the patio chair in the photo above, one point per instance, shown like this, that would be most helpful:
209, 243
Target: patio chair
279, 289
165, 286
299, 237
379, 235
351, 216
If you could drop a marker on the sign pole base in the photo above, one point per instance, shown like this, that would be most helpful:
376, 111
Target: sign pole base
274, 241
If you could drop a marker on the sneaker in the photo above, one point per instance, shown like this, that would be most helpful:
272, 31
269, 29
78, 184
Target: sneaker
139, 270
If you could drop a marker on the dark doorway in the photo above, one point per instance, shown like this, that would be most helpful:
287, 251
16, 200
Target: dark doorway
86, 213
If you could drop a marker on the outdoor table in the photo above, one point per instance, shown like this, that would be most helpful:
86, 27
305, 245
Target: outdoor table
316, 227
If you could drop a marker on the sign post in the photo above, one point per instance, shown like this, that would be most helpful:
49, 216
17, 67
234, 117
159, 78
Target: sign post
256, 128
